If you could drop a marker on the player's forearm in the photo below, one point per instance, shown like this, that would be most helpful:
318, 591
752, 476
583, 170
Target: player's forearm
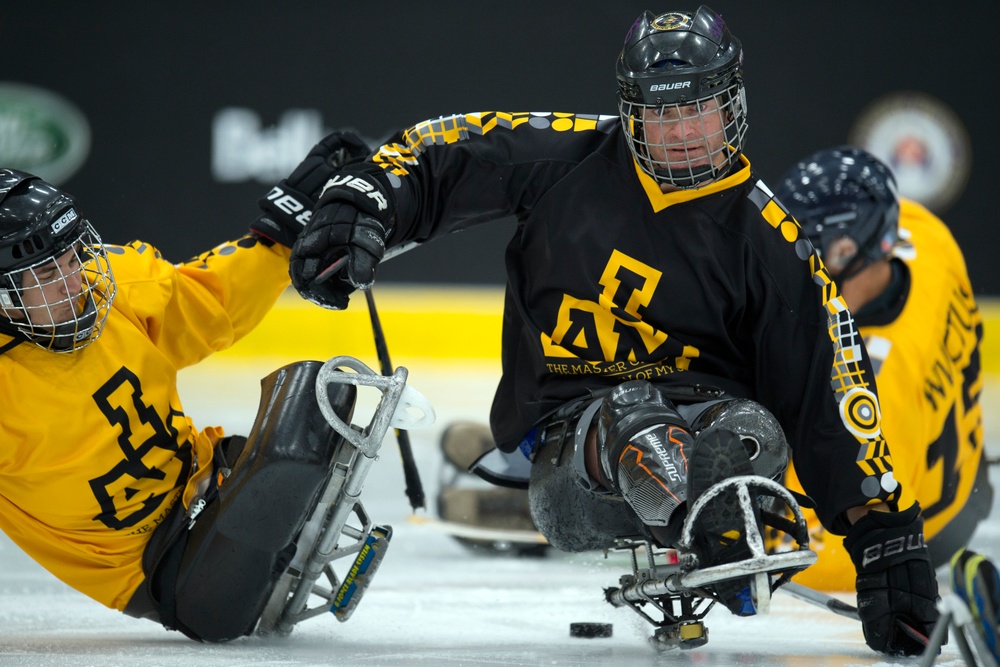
855, 513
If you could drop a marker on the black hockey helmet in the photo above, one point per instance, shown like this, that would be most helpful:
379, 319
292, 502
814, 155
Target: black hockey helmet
40, 223
844, 191
680, 59
37, 220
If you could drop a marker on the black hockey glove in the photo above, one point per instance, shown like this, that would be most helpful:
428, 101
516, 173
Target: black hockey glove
345, 240
288, 206
896, 581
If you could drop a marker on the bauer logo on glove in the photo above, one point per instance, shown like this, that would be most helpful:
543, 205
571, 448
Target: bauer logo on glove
361, 185
892, 547
344, 241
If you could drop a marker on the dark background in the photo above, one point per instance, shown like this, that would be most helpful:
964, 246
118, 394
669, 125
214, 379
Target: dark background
151, 78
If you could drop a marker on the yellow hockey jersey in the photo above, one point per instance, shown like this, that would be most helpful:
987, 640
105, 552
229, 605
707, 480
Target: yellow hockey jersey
95, 447
928, 373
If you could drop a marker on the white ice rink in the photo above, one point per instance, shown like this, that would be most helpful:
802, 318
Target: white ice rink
432, 602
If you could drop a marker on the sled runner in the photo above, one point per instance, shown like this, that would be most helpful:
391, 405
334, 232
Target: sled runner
676, 587
339, 530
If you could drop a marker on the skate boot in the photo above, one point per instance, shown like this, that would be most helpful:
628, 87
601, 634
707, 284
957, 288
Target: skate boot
977, 583
720, 529
644, 444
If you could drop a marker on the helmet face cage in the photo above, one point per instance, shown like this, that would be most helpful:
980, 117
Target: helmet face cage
61, 301
687, 145
844, 192
681, 97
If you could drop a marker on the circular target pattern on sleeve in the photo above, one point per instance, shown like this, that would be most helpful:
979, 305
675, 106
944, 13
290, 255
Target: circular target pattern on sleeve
860, 413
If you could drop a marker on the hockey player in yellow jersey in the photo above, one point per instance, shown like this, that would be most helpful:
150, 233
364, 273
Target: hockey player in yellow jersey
904, 278
101, 471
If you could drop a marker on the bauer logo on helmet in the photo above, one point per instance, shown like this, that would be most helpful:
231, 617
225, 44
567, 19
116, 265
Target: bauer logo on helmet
669, 86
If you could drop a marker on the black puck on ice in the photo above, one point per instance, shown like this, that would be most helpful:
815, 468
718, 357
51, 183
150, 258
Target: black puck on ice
590, 630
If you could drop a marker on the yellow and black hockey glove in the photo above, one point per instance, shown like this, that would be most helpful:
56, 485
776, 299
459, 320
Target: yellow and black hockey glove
288, 206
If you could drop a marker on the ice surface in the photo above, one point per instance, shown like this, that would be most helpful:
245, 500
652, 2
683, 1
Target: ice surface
432, 602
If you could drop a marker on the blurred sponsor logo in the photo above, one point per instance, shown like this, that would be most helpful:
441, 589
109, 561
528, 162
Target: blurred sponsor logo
41, 132
243, 149
924, 143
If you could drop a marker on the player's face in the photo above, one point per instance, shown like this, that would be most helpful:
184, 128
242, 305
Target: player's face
50, 292
685, 137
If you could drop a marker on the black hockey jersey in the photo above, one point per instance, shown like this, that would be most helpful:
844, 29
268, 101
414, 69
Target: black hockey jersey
610, 279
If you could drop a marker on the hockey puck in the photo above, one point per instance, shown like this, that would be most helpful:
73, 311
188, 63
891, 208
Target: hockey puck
590, 630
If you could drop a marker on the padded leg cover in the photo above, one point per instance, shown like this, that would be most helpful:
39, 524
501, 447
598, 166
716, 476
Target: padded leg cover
242, 543
571, 517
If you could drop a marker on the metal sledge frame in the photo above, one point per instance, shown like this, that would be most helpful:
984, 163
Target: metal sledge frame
677, 589
957, 617
339, 527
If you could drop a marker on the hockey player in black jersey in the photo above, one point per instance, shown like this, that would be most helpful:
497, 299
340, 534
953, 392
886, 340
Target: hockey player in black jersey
666, 324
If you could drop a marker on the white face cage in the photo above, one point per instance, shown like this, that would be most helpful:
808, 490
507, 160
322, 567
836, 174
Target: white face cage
687, 145
61, 303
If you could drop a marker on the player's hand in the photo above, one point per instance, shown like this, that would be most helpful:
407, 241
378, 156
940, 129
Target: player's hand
896, 583
344, 242
288, 206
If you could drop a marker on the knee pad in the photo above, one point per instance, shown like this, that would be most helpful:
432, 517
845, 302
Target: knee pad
570, 516
759, 430
628, 409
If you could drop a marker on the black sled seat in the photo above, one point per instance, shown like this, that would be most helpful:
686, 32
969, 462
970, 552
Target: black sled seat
211, 579
339, 528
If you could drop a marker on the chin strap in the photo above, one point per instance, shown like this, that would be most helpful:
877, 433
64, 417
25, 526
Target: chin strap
63, 337
16, 337
14, 342
854, 267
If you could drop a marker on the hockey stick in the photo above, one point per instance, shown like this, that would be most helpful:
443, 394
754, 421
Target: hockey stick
841, 608
335, 268
414, 487
828, 602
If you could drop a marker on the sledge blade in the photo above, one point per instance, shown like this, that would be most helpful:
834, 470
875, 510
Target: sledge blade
360, 575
